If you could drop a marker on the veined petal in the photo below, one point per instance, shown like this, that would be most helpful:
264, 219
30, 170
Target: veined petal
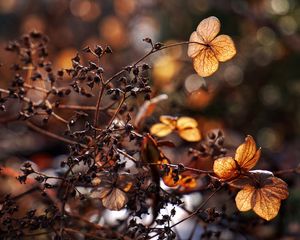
194, 48
266, 206
225, 168
116, 200
209, 28
205, 63
246, 154
223, 47
244, 200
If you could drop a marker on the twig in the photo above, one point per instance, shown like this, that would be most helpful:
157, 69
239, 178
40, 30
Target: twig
116, 111
98, 105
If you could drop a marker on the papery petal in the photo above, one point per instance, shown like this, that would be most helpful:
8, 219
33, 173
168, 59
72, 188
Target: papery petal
194, 48
244, 200
223, 47
160, 129
225, 168
186, 122
168, 120
205, 63
275, 187
266, 206
190, 134
116, 200
246, 154
209, 28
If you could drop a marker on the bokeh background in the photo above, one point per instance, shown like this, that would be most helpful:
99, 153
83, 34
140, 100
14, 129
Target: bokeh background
257, 93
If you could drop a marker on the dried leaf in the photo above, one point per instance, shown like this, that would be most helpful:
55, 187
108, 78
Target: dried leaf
115, 199
152, 154
148, 108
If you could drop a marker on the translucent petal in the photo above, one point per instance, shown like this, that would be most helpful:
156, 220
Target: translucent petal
186, 122
223, 47
168, 120
194, 48
244, 200
205, 63
266, 206
161, 129
190, 134
225, 168
246, 154
209, 28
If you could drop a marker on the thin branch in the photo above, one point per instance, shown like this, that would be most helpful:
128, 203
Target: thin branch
26, 85
77, 107
59, 118
96, 119
184, 167
117, 110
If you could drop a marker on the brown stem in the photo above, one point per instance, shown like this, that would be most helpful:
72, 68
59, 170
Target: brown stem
59, 118
96, 119
184, 167
77, 107
26, 85
117, 110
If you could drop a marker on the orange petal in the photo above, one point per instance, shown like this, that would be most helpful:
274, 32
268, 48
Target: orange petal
186, 122
246, 154
205, 63
244, 200
190, 134
169, 179
266, 206
194, 48
209, 28
188, 182
160, 129
225, 168
275, 187
223, 47
168, 120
